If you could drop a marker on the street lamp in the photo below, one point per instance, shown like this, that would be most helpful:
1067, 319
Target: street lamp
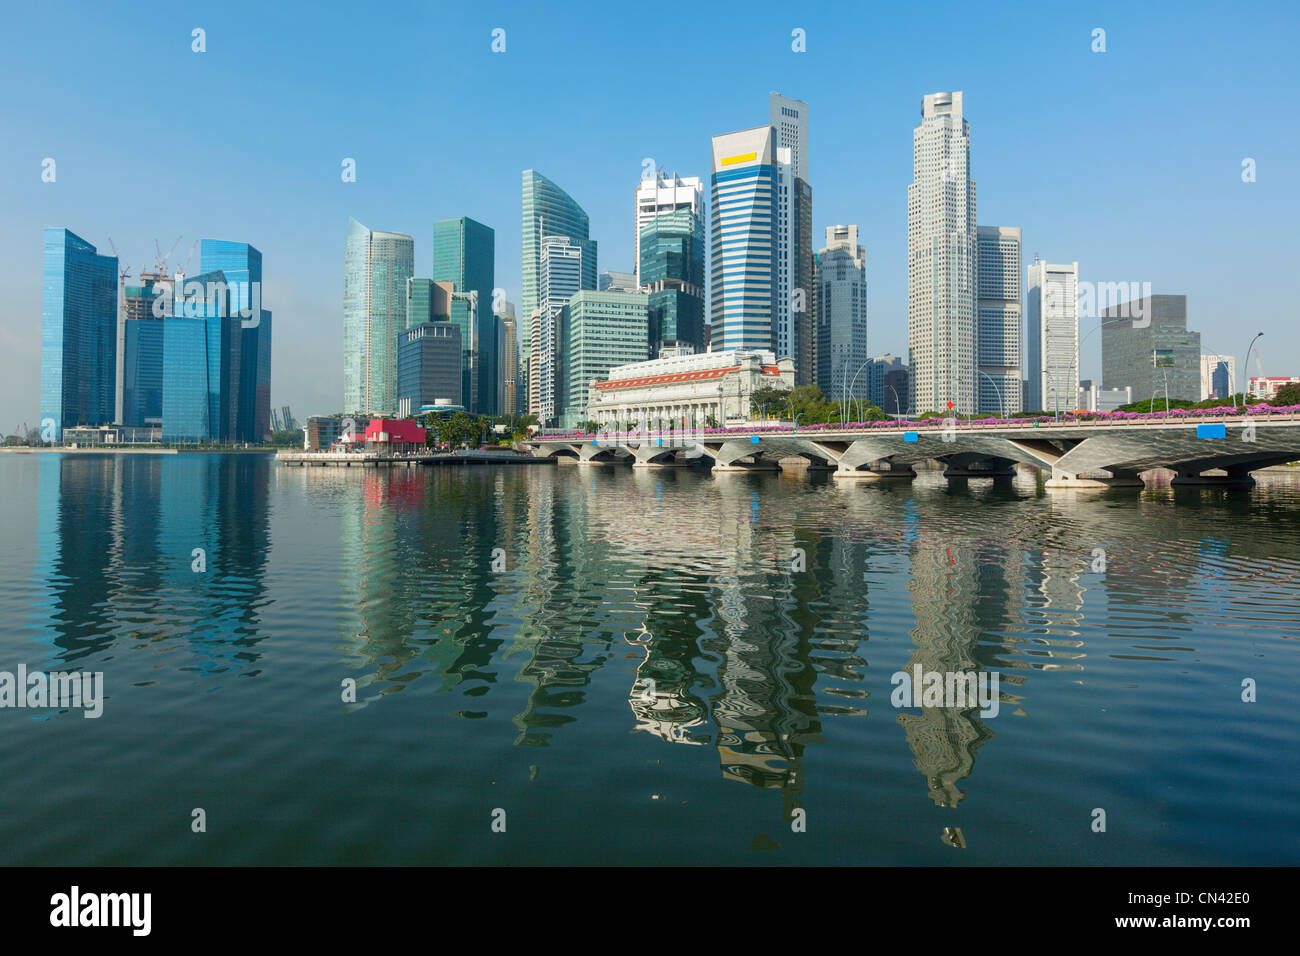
1078, 350
1245, 369
854, 382
1001, 404
898, 405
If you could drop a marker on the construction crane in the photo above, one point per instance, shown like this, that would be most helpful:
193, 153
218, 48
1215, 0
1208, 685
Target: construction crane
160, 263
124, 273
184, 270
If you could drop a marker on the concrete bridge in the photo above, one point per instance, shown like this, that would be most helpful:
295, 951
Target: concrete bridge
1074, 453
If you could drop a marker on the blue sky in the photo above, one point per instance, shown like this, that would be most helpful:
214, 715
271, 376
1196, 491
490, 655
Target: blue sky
1128, 161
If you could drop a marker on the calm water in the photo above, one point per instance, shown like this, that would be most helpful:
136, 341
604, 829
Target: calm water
524, 688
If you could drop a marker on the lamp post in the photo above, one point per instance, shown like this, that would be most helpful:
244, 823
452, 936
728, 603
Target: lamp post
854, 381
897, 403
1245, 369
1001, 404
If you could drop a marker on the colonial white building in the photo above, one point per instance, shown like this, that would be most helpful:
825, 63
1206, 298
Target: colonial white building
686, 390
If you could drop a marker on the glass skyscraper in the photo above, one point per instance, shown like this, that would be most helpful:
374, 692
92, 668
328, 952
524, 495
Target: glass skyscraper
997, 327
598, 331
376, 266
216, 346
550, 211
464, 252
672, 272
842, 354
744, 219
78, 333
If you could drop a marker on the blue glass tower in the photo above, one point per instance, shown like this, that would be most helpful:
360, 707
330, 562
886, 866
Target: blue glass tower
464, 252
78, 333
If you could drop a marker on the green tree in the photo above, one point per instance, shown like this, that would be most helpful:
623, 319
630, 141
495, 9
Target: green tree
1288, 394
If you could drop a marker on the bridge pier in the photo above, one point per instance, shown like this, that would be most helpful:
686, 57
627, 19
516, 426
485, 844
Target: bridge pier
877, 473
1231, 478
1063, 480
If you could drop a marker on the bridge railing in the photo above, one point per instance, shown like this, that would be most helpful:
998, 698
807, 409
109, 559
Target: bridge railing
1174, 416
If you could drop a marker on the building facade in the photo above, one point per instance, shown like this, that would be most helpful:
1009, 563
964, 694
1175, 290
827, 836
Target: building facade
941, 259
887, 384
598, 331
550, 211
375, 269
671, 267
1052, 333
428, 366
464, 254
656, 195
78, 333
743, 256
688, 391
1218, 376
841, 303
560, 278
796, 321
1154, 356
508, 360
998, 320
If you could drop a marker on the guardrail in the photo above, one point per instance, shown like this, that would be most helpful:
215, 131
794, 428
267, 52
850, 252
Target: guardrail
1173, 416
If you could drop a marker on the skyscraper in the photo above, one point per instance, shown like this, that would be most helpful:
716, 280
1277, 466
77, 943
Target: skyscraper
1218, 376
216, 343
671, 268
241, 267
562, 268
743, 256
1152, 354
657, 194
841, 316
140, 351
464, 252
598, 330
997, 326
507, 360
428, 366
78, 333
1052, 321
550, 211
796, 323
375, 269
941, 259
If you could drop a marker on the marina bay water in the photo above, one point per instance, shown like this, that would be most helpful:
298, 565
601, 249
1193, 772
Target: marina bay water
639, 666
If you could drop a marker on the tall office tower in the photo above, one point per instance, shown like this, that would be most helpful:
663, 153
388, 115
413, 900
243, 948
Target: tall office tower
841, 315
789, 120
997, 323
249, 416
1052, 320
671, 268
427, 301
507, 360
657, 194
140, 351
375, 269
941, 263
609, 281
743, 256
464, 252
550, 211
1218, 376
1153, 353
428, 366
562, 269
78, 333
598, 331
467, 314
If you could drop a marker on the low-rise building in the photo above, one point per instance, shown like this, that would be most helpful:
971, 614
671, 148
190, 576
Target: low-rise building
1266, 387
687, 390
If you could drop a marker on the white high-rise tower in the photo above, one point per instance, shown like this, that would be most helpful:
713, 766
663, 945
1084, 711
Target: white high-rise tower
658, 194
1052, 314
941, 259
